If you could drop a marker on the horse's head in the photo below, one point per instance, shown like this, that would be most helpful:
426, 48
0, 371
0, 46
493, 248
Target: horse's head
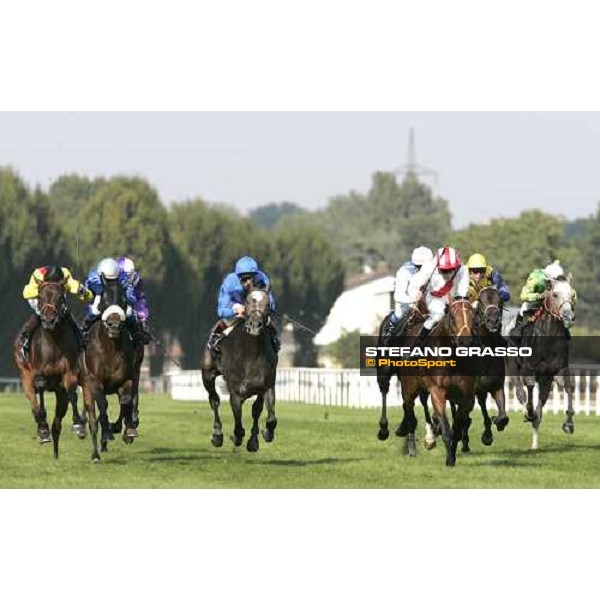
113, 319
558, 300
489, 311
52, 304
460, 315
257, 310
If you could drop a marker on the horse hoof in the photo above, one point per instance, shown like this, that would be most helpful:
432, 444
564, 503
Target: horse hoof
466, 450
237, 442
252, 445
568, 428
268, 436
487, 438
76, 427
430, 445
501, 422
383, 434
127, 440
45, 440
95, 458
451, 461
104, 447
217, 440
401, 430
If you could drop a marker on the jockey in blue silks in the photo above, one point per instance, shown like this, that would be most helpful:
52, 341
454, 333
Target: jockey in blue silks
106, 273
232, 299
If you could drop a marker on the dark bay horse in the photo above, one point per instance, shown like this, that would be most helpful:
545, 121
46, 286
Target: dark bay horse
386, 372
52, 365
548, 340
109, 367
491, 369
442, 383
248, 363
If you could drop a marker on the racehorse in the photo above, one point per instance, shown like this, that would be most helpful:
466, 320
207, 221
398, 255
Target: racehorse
442, 383
52, 364
548, 340
491, 369
109, 363
386, 372
248, 362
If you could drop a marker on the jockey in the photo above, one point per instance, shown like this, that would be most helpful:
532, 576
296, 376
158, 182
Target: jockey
106, 272
232, 298
69, 284
482, 275
403, 300
533, 292
141, 312
440, 279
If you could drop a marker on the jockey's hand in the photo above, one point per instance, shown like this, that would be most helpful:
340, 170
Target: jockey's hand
129, 311
418, 296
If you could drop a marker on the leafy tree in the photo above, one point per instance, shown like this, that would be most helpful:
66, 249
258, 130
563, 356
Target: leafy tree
345, 351
269, 215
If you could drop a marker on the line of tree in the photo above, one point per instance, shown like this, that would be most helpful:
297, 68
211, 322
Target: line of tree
183, 253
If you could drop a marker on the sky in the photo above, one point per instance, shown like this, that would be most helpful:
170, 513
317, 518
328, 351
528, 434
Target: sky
490, 164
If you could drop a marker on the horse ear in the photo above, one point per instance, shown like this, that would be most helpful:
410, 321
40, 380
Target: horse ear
570, 278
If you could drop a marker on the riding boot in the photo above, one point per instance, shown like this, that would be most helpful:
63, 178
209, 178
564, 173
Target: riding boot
389, 327
422, 337
216, 335
517, 331
76, 331
274, 338
26, 333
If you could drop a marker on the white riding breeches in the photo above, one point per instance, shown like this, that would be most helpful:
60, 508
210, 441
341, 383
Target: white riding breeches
436, 308
402, 309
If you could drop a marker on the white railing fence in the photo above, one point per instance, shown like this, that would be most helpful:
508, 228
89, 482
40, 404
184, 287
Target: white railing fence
346, 387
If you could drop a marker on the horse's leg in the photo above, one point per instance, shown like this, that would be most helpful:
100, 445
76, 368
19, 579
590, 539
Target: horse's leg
214, 400
126, 403
271, 424
236, 407
544, 383
102, 403
501, 421
62, 406
568, 426
37, 408
487, 437
429, 432
409, 422
461, 423
117, 426
466, 424
438, 398
90, 407
78, 426
257, 407
135, 389
383, 381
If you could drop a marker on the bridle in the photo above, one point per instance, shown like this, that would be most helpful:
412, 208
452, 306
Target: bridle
465, 305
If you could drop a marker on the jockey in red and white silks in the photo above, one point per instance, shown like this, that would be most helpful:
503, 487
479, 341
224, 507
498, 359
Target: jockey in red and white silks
442, 279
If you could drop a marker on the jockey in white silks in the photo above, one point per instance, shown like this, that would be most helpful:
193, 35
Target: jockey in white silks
442, 279
404, 276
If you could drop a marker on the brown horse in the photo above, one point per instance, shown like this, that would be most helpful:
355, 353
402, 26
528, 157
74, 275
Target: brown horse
442, 383
109, 367
52, 364
385, 373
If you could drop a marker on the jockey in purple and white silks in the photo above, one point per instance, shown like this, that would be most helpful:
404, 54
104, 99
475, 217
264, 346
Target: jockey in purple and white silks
141, 310
232, 299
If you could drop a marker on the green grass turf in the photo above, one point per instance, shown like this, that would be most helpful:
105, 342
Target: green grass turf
315, 447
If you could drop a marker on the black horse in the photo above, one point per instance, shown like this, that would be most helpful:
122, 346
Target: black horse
247, 360
549, 342
109, 367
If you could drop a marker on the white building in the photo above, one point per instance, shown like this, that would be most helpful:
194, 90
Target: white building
364, 303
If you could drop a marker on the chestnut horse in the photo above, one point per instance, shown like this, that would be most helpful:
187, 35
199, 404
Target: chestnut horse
443, 383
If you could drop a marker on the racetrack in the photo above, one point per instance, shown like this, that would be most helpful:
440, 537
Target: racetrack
315, 447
